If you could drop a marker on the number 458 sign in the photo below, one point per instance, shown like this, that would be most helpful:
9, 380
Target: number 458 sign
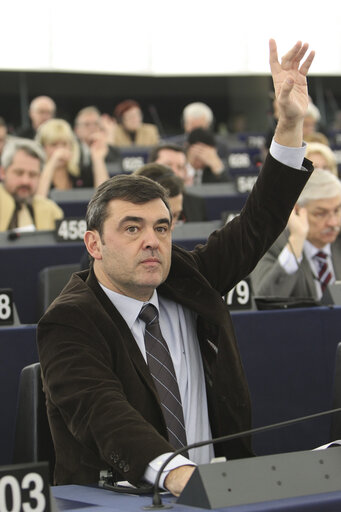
6, 309
24, 488
70, 230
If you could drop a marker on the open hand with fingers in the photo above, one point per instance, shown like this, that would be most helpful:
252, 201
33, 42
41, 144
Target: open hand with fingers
290, 83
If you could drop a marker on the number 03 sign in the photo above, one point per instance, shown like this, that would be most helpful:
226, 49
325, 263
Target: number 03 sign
24, 488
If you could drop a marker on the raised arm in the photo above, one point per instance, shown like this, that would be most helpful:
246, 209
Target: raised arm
290, 83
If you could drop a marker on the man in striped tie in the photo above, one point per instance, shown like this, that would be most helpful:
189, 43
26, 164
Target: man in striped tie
138, 353
307, 255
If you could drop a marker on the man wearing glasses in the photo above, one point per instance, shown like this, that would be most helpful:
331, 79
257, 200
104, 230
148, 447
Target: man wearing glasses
306, 258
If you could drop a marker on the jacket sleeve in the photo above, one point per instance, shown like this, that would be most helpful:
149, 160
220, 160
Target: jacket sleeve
96, 393
270, 278
232, 252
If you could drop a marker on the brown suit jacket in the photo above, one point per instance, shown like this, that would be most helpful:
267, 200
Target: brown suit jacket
102, 404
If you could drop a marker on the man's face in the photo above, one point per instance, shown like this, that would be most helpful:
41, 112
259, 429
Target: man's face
175, 204
42, 109
192, 123
87, 124
324, 216
3, 135
21, 178
133, 255
309, 125
176, 160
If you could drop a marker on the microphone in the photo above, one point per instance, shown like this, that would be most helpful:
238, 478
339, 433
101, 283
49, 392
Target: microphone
156, 119
157, 502
13, 235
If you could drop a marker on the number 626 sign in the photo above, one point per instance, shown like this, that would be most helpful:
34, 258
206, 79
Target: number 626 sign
24, 488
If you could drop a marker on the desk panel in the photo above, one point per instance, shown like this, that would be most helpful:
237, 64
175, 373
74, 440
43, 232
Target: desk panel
218, 197
17, 349
75, 497
23, 258
21, 261
289, 362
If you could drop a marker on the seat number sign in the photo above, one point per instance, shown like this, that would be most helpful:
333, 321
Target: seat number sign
6, 308
24, 488
70, 230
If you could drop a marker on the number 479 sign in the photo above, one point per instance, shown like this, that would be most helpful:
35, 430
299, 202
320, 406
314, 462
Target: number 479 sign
240, 296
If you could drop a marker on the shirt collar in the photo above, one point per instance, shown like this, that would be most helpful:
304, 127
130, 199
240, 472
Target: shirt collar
128, 307
310, 249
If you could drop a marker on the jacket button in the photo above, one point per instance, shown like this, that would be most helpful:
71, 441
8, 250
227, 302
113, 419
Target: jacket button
126, 468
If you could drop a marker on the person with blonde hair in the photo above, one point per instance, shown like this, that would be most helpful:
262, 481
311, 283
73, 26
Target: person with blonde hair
62, 170
322, 157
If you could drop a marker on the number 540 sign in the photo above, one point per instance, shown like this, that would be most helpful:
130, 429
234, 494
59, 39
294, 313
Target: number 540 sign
24, 488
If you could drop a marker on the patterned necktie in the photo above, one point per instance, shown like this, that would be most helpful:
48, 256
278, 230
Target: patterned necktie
13, 223
324, 273
162, 370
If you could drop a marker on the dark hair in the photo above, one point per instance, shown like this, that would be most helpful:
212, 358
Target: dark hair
154, 154
3, 122
132, 188
163, 175
122, 107
201, 135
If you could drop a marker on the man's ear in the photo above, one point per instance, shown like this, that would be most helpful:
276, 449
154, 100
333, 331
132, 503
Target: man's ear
93, 244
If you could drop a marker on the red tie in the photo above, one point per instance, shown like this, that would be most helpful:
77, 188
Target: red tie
324, 274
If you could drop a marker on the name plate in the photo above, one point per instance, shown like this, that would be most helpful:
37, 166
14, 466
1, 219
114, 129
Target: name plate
240, 296
244, 184
6, 308
25, 488
70, 229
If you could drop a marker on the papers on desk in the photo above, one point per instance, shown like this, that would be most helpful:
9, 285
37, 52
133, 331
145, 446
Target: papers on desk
329, 445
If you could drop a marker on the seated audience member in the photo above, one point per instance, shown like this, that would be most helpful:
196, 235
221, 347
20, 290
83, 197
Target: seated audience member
311, 125
205, 165
174, 156
311, 121
199, 115
62, 170
322, 157
307, 255
138, 353
20, 206
90, 126
173, 185
41, 109
3, 134
319, 137
130, 129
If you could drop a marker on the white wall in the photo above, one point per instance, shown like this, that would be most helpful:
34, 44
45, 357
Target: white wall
173, 37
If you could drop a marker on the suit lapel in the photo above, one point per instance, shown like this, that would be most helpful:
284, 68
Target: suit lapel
120, 326
336, 257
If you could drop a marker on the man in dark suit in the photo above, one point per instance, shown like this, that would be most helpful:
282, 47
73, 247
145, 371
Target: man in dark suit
173, 156
102, 399
293, 266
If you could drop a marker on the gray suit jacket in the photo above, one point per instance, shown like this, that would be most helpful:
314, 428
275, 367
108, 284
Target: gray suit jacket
270, 279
